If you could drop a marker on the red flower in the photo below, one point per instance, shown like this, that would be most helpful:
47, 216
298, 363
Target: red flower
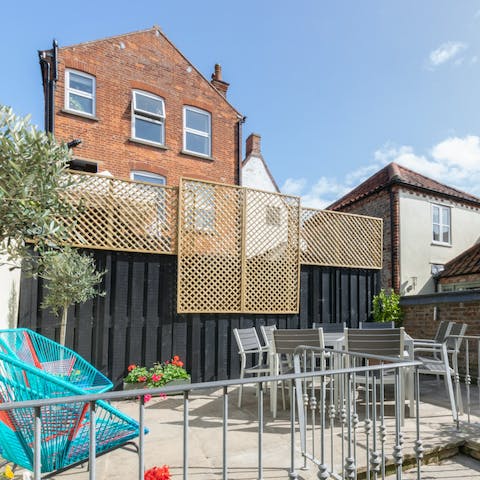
176, 358
131, 367
158, 473
179, 364
142, 379
147, 398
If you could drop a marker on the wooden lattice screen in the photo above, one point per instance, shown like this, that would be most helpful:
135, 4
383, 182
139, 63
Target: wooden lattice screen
340, 239
238, 250
123, 215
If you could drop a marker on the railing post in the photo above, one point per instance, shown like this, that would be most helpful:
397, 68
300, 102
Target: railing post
293, 475
185, 435
418, 443
397, 449
92, 468
37, 454
260, 431
141, 438
225, 432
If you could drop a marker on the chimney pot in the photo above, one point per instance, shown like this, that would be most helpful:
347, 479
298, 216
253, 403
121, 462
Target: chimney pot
217, 81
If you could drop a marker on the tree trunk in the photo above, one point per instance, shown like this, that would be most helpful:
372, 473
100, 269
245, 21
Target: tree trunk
63, 325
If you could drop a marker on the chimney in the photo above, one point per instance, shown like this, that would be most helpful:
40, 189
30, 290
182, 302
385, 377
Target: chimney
217, 81
253, 145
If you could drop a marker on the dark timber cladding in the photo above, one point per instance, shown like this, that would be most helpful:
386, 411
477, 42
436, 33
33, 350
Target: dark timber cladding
136, 320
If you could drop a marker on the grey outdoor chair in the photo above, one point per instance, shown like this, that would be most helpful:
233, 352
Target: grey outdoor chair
285, 343
438, 363
382, 342
375, 325
249, 344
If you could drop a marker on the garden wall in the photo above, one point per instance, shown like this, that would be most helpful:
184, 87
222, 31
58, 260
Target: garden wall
422, 313
137, 321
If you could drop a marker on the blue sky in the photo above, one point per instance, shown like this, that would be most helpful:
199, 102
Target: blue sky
336, 88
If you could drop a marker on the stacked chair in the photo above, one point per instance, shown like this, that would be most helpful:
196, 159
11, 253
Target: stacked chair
33, 367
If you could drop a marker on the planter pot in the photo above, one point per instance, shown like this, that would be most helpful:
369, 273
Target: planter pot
177, 381
134, 386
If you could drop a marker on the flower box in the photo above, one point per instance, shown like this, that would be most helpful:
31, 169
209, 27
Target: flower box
134, 386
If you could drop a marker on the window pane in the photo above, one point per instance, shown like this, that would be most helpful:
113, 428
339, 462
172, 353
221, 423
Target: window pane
197, 143
436, 233
446, 216
156, 179
148, 104
445, 234
81, 104
197, 121
436, 215
145, 130
79, 82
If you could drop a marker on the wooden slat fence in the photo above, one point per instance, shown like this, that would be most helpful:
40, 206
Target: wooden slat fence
137, 320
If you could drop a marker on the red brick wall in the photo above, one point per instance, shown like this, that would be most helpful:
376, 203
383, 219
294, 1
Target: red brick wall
148, 62
378, 205
461, 307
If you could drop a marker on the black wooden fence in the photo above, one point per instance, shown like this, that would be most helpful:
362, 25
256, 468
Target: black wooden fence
136, 320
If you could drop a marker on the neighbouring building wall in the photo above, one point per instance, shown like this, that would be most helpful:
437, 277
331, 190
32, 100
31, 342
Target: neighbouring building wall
418, 252
378, 205
9, 294
149, 62
423, 313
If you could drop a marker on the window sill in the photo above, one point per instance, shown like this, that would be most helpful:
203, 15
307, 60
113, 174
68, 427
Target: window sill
440, 244
196, 155
148, 144
80, 114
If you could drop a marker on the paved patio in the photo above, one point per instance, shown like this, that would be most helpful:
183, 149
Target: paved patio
164, 418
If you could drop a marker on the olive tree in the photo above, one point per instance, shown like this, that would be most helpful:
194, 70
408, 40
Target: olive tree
32, 180
70, 278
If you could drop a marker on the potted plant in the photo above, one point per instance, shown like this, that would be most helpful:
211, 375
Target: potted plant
158, 473
386, 308
136, 378
170, 372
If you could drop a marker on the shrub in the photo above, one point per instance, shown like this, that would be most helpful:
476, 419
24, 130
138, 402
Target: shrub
386, 308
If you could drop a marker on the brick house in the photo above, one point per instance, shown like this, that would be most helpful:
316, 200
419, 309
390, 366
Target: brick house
426, 224
462, 273
132, 105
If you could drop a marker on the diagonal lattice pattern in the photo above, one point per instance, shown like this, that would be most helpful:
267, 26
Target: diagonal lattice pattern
123, 215
238, 250
340, 239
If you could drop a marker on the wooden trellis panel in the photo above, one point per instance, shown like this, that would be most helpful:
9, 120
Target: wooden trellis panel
237, 250
340, 239
123, 215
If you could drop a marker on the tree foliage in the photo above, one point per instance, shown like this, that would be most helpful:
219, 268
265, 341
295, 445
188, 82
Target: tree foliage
70, 278
386, 307
32, 168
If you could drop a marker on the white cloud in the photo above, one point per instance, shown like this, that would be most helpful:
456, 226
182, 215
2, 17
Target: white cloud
445, 52
293, 186
454, 161
473, 60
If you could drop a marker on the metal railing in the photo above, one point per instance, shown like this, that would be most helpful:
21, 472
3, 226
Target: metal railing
469, 361
331, 372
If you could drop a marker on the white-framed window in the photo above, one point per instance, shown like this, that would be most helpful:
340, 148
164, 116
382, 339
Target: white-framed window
148, 117
200, 208
441, 224
149, 177
79, 92
158, 195
196, 131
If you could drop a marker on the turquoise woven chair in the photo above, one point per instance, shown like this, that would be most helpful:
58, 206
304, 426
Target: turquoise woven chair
33, 368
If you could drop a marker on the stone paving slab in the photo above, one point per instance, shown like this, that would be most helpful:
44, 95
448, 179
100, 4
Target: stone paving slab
163, 445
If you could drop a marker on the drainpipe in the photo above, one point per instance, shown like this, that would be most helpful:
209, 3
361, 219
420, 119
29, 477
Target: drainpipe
51, 76
395, 253
240, 122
